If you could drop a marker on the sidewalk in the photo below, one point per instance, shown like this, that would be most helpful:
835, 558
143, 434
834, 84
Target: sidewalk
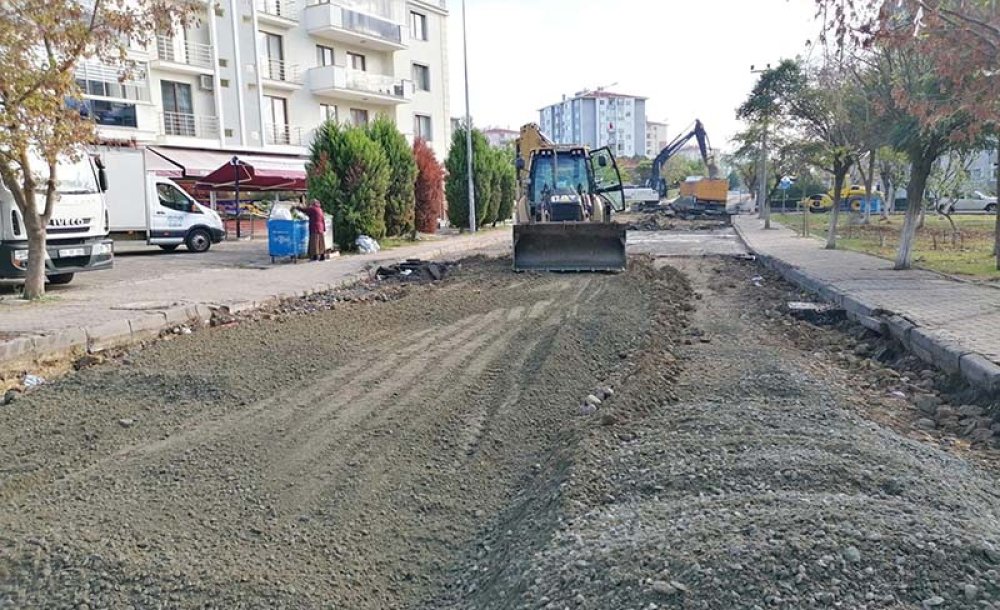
951, 324
95, 317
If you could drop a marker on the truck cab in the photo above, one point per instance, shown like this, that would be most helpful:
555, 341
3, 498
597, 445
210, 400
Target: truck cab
77, 234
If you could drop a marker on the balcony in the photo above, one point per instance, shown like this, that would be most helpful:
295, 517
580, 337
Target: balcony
280, 13
341, 24
190, 125
280, 74
184, 56
285, 135
341, 82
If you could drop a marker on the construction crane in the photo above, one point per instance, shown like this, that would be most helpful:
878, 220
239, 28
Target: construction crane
657, 182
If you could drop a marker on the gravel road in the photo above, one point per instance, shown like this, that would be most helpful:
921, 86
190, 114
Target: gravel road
646, 440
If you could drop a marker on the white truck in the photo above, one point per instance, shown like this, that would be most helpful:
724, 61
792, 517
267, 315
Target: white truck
77, 234
152, 208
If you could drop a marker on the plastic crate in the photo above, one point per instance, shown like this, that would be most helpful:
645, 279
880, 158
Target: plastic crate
287, 238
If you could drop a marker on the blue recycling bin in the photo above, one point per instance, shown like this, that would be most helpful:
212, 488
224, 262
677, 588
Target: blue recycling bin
287, 238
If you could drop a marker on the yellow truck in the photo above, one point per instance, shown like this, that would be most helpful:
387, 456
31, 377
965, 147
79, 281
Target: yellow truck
709, 194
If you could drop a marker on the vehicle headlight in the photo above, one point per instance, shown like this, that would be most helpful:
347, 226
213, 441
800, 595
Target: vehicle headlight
20, 256
103, 249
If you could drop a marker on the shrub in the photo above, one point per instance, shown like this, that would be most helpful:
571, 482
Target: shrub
349, 173
456, 185
495, 173
428, 188
399, 201
508, 186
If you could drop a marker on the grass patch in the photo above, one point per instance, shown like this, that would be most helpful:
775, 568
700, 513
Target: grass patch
967, 252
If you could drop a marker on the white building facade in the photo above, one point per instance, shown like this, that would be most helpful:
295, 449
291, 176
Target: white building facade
260, 75
656, 138
597, 119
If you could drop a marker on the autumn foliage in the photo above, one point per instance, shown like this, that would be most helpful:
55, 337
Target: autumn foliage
429, 188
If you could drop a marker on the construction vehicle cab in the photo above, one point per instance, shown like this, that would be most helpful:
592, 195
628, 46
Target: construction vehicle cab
567, 195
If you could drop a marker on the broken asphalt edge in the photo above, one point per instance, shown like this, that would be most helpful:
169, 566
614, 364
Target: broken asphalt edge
978, 370
25, 351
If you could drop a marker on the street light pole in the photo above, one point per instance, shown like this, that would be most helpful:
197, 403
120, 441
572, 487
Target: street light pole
468, 125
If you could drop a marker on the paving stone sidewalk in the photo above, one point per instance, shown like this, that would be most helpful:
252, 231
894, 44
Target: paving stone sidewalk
950, 323
96, 317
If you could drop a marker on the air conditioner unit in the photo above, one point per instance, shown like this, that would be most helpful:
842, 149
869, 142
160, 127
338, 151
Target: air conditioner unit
206, 82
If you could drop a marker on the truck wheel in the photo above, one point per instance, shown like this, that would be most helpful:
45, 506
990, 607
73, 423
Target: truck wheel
198, 241
168, 247
60, 279
991, 208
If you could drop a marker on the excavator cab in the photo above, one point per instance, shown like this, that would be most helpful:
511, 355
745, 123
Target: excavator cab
564, 217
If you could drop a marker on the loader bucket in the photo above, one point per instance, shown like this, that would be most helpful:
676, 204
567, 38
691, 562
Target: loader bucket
569, 246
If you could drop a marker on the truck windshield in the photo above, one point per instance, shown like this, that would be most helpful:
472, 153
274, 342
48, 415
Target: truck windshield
73, 177
570, 175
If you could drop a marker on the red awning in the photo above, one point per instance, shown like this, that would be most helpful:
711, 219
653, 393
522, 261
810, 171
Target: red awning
255, 175
214, 170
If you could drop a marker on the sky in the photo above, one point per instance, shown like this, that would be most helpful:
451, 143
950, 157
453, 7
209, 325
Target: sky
691, 58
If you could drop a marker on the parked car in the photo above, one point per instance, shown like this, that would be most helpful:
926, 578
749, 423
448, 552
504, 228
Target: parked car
977, 203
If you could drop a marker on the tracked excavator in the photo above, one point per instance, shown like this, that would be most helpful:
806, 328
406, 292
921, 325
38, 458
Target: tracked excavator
566, 197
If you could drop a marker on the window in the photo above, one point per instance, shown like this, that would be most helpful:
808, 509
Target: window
422, 77
273, 50
324, 56
418, 26
178, 111
111, 114
171, 197
276, 111
359, 117
422, 127
357, 61
327, 112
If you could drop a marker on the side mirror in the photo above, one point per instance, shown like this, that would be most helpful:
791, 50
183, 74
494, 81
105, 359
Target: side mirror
602, 161
519, 164
102, 175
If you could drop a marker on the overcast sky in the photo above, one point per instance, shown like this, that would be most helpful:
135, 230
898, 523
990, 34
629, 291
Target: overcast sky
691, 58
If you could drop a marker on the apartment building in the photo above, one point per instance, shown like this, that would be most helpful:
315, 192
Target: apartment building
597, 119
258, 76
500, 137
656, 138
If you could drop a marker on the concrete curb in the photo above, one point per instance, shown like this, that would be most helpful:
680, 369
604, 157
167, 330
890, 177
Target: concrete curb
23, 352
976, 369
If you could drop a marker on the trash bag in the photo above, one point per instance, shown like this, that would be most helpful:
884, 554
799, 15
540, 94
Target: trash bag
281, 211
366, 245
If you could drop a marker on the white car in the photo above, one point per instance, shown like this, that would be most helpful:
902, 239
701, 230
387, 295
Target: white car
977, 203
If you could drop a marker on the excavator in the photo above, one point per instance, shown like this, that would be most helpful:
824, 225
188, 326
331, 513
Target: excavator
708, 195
566, 197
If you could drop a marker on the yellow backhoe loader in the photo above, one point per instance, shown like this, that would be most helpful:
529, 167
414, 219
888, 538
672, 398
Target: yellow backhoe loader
566, 197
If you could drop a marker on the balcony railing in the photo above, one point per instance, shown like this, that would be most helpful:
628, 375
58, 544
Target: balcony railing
375, 83
190, 125
280, 70
184, 51
286, 9
101, 80
275, 133
371, 26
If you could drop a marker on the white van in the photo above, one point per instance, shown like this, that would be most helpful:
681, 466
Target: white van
145, 206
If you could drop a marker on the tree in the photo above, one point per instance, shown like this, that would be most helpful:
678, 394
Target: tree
349, 173
678, 168
399, 202
493, 175
815, 103
508, 185
947, 57
41, 46
457, 183
428, 188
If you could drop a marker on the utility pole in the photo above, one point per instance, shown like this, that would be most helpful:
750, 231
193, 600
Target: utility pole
468, 125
